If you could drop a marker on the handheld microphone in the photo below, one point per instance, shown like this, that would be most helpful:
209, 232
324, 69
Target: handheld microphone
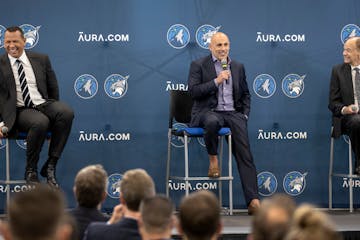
354, 108
4, 130
224, 66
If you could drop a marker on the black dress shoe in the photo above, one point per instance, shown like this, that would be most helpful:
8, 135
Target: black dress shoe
31, 177
357, 170
48, 171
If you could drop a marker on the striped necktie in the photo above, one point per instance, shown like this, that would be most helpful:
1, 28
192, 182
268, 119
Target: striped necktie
24, 85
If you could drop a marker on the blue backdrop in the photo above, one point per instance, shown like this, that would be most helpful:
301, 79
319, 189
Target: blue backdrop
116, 60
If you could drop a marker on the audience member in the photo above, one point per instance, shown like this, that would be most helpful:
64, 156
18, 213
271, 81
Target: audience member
90, 192
135, 186
36, 214
310, 224
199, 216
156, 218
272, 220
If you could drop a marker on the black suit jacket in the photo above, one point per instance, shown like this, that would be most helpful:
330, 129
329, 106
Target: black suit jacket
84, 216
341, 94
205, 93
126, 228
45, 79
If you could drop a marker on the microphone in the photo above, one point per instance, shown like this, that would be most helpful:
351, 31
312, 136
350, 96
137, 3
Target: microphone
4, 130
354, 108
224, 66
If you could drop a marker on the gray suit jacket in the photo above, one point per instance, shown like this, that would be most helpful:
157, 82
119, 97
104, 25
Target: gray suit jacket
45, 80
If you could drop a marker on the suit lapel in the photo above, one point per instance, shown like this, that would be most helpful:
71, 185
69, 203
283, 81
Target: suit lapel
348, 80
209, 64
8, 73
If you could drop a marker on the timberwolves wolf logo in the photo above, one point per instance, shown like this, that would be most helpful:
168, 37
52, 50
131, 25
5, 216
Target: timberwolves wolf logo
350, 30
113, 186
178, 36
201, 141
204, 34
293, 85
264, 85
22, 143
2, 32
31, 34
2, 143
86, 86
116, 86
294, 183
267, 183
178, 141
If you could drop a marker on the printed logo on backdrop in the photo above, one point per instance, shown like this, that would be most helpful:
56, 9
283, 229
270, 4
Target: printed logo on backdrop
113, 186
348, 31
201, 141
178, 36
293, 85
267, 183
2, 143
116, 85
178, 141
294, 183
21, 143
31, 34
264, 85
176, 86
204, 34
2, 33
86, 86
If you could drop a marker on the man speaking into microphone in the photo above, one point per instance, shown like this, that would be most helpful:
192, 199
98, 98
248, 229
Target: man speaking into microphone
29, 102
222, 99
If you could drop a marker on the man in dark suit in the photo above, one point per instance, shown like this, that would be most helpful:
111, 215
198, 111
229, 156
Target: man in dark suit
29, 102
135, 186
222, 99
343, 97
90, 192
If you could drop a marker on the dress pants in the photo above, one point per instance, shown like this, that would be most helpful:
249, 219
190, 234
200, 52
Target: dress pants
212, 121
350, 125
51, 116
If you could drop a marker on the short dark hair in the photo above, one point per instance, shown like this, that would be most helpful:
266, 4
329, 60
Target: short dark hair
199, 215
272, 220
14, 29
136, 185
156, 213
36, 213
90, 185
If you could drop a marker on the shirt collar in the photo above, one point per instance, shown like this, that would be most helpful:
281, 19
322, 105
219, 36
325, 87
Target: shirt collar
23, 58
216, 60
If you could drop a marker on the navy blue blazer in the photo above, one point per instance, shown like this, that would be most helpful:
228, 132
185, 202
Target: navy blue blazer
205, 93
127, 228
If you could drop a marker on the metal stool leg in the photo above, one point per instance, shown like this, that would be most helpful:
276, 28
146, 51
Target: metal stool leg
351, 181
331, 172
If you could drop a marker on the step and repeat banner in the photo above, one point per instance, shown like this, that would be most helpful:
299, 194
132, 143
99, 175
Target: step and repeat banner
117, 60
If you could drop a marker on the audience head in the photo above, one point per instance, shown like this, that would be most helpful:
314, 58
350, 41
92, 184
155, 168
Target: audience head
272, 220
199, 216
311, 224
156, 217
135, 186
36, 214
90, 186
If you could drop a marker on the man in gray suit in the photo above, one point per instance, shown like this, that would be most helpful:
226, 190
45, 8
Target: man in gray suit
29, 102
343, 97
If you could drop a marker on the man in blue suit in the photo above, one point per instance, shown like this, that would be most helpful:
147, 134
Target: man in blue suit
222, 99
135, 186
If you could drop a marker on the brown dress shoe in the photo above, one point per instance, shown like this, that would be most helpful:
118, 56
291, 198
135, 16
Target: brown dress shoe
214, 172
253, 206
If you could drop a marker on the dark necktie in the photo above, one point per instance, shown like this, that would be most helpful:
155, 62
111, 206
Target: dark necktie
24, 85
